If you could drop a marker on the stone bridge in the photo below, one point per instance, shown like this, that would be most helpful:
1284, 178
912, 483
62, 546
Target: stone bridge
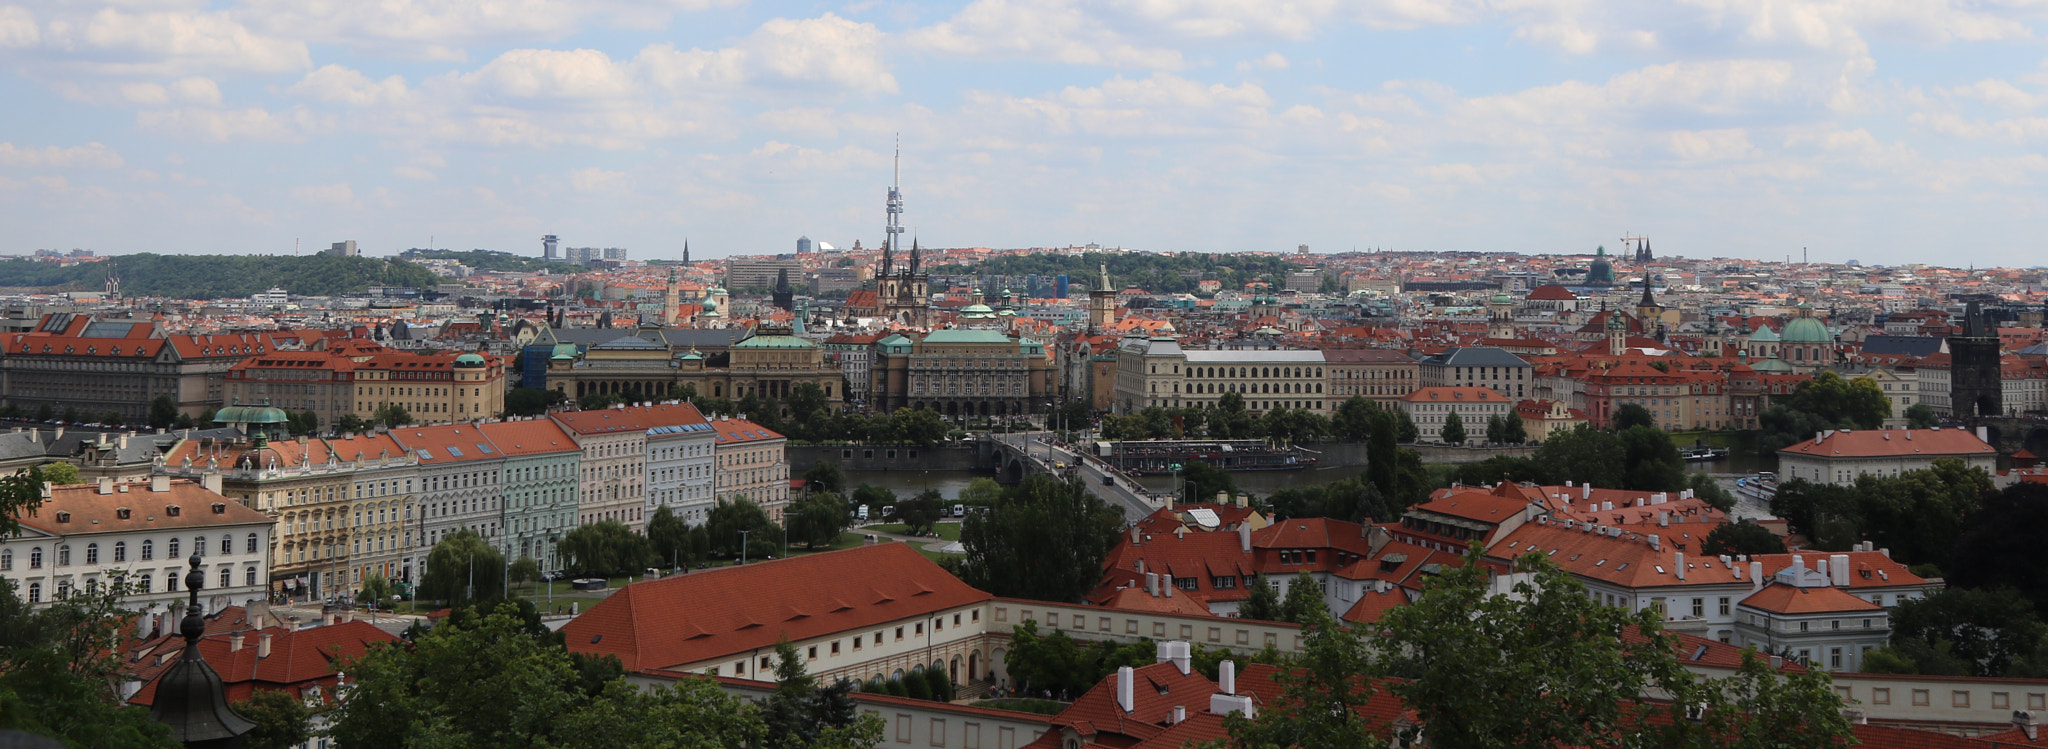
2010, 434
1020, 455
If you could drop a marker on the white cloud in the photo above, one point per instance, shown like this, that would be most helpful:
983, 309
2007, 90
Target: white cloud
335, 194
593, 179
553, 74
340, 85
224, 125
1272, 61
170, 43
1056, 30
826, 49
18, 28
93, 154
443, 29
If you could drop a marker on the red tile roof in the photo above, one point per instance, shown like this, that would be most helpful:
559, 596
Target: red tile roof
700, 616
1876, 443
298, 658
630, 419
1789, 599
80, 509
529, 437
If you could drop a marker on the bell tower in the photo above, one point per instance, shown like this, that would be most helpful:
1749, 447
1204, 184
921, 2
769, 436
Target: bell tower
1101, 303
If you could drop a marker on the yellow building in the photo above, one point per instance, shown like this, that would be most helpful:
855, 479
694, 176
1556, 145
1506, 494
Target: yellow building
433, 389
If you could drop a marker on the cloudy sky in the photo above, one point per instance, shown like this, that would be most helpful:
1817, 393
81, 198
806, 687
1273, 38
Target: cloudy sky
1888, 131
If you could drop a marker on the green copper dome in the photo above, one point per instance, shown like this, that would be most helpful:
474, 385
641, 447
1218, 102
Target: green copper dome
1806, 330
469, 360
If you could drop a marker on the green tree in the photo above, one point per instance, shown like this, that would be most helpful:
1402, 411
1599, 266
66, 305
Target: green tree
1515, 431
391, 415
487, 679
921, 426
817, 519
1631, 415
1453, 432
1322, 690
1583, 455
981, 492
1922, 416
921, 512
825, 477
737, 521
599, 401
532, 401
524, 570
21, 494
1650, 462
1710, 491
61, 474
1352, 421
1733, 539
163, 412
1999, 546
375, 589
668, 538
463, 569
1407, 432
1261, 601
1496, 429
1987, 630
1230, 421
1201, 482
1304, 601
352, 424
282, 720
1043, 540
58, 663
874, 497
1482, 670
801, 713
605, 548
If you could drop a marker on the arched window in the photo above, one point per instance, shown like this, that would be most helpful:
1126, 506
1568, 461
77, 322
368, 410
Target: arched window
199, 546
227, 577
148, 549
120, 551
171, 551
227, 544
249, 576
92, 553
35, 592
64, 555
252, 543
35, 558
6, 559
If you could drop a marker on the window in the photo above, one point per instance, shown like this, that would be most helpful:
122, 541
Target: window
227, 577
899, 633
1724, 605
64, 555
1835, 658
252, 543
35, 592
148, 549
6, 559
1959, 698
170, 581
1699, 608
248, 576
1920, 698
2001, 700
1881, 696
35, 558
835, 647
199, 546
171, 549
120, 551
938, 732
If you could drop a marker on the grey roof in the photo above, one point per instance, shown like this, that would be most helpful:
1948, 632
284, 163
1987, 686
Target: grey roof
1255, 356
1475, 356
627, 342
1909, 345
16, 446
1367, 356
677, 337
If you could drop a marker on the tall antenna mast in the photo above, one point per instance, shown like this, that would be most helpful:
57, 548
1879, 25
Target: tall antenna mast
895, 228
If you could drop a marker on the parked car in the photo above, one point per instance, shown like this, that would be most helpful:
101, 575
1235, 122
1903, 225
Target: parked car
861, 513
959, 511
888, 511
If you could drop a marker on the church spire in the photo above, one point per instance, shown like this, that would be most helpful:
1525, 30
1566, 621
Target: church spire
686, 252
914, 251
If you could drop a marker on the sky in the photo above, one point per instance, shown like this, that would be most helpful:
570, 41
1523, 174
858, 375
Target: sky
1884, 131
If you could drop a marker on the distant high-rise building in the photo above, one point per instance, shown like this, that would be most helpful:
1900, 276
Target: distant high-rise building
615, 253
805, 246
343, 249
1060, 287
550, 247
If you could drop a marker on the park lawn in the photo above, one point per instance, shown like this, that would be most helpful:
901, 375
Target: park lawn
936, 556
948, 531
847, 540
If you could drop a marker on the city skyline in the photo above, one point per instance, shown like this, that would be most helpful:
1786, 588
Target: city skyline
1883, 135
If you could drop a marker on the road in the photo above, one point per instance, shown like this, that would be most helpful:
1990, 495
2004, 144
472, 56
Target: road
1122, 492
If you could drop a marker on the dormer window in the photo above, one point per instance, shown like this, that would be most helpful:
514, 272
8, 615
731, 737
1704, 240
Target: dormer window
220, 508
171, 510
121, 512
63, 517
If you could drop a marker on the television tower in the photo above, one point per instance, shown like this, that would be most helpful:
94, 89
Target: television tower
895, 228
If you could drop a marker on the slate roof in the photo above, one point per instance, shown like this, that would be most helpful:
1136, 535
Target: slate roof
1475, 356
1906, 345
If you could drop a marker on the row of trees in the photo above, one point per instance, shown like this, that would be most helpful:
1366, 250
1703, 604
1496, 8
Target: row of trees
1352, 421
218, 276
1542, 666
1159, 274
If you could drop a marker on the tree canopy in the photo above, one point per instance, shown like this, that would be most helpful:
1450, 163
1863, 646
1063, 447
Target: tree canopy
1044, 540
462, 568
218, 276
1919, 515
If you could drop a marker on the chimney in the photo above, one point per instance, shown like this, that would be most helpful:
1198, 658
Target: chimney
1678, 564
211, 481
1135, 539
1141, 566
1984, 434
1777, 662
1166, 584
262, 645
235, 642
1838, 566
326, 618
1180, 713
1756, 575
1585, 491
1225, 704
1656, 542
1183, 656
1244, 538
1126, 697
1152, 584
1663, 520
160, 483
1226, 677
2024, 720
106, 485
1799, 566
1821, 566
